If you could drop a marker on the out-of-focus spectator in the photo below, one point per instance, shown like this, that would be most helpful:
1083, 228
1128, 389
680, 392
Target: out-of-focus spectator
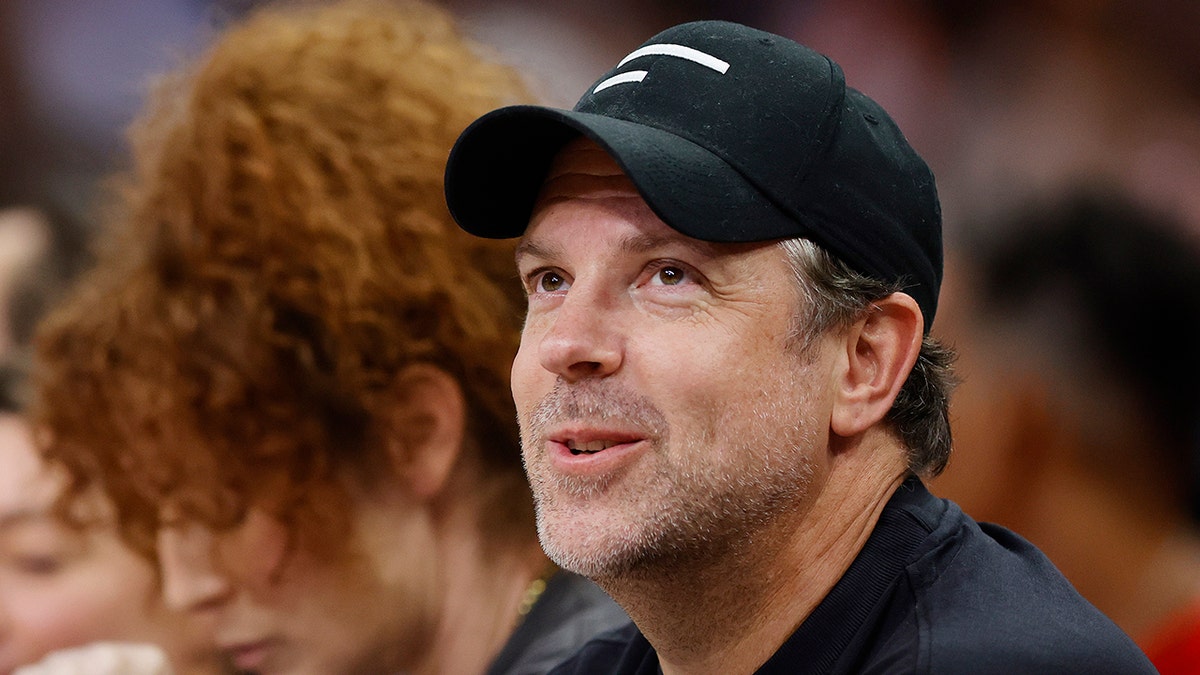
290, 369
69, 581
1076, 423
24, 238
42, 250
66, 579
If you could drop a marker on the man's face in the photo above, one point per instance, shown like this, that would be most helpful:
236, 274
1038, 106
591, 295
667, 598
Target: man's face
665, 415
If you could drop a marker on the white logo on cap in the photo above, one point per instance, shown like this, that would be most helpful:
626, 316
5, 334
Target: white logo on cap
678, 51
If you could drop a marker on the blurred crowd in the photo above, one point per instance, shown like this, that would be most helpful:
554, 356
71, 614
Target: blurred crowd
1003, 99
1065, 138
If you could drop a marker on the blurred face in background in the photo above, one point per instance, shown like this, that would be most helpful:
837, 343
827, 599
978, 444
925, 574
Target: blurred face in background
281, 606
24, 236
63, 586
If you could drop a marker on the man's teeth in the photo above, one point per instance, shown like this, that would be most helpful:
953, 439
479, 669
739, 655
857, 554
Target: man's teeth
588, 447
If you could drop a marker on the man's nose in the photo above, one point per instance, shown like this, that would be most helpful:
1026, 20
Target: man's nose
585, 337
192, 580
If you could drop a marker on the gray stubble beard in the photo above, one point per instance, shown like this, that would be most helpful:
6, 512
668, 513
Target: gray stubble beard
691, 511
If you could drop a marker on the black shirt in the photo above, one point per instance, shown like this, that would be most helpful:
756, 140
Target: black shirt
571, 611
932, 591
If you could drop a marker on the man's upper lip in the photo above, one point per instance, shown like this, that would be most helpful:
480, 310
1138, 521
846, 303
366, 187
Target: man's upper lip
583, 435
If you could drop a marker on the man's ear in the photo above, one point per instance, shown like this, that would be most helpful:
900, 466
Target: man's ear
878, 353
425, 425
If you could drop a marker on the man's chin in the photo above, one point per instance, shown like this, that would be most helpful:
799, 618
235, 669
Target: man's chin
589, 554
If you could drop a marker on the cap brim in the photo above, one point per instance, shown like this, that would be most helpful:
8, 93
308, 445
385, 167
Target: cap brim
496, 169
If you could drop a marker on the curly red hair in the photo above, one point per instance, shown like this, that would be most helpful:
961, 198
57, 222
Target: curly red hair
283, 252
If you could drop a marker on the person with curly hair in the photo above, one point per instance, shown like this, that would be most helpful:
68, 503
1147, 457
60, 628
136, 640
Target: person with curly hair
289, 369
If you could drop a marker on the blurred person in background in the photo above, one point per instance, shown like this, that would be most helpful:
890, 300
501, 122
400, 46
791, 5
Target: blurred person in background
24, 239
69, 581
1076, 423
66, 579
43, 248
289, 369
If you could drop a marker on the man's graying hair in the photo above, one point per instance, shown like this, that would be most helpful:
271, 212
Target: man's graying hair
836, 296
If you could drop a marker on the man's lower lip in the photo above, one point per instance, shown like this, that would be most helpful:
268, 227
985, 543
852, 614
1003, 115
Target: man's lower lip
599, 461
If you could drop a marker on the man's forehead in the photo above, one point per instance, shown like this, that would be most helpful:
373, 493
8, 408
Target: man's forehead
584, 176
584, 171
583, 167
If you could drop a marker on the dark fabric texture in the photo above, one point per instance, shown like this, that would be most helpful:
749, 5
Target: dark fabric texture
933, 592
571, 611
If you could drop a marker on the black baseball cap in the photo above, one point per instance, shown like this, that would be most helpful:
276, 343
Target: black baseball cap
730, 134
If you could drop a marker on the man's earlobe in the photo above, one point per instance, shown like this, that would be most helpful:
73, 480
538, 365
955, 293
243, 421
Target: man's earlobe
880, 351
425, 428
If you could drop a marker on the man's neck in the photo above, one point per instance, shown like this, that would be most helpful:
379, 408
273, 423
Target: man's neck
730, 612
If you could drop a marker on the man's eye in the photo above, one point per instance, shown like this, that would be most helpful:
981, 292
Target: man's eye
550, 282
669, 276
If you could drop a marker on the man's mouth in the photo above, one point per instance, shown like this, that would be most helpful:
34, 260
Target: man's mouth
588, 448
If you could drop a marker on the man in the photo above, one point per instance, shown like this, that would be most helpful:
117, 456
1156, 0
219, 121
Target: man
1077, 424
290, 369
726, 388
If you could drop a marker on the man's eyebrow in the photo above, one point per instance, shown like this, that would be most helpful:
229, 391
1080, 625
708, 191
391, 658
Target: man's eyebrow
530, 249
635, 243
646, 242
